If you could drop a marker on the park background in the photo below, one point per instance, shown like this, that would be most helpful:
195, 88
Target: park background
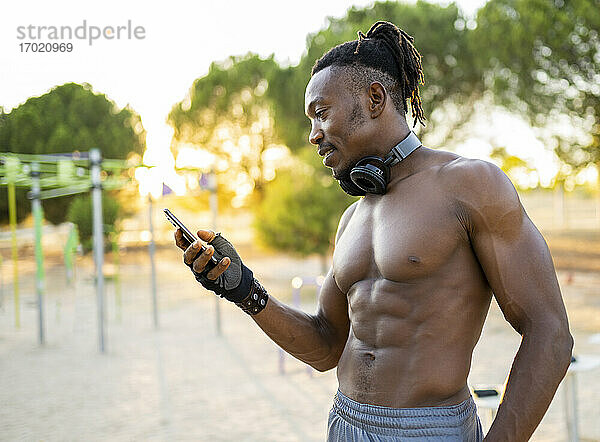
215, 91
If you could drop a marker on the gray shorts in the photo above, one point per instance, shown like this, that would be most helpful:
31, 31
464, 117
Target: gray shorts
352, 421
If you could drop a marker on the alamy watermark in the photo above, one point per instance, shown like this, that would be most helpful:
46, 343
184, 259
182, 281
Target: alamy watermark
59, 38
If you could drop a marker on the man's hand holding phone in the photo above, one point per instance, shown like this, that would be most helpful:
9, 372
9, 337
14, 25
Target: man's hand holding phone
219, 268
229, 278
196, 259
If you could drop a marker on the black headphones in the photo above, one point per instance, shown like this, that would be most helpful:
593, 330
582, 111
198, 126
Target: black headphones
371, 174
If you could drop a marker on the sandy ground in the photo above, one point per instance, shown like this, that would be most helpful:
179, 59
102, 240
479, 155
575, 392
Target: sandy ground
184, 381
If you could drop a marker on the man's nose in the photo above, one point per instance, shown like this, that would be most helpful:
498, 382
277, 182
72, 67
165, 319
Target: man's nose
316, 134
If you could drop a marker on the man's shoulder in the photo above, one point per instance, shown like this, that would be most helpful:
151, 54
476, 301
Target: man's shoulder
479, 187
474, 177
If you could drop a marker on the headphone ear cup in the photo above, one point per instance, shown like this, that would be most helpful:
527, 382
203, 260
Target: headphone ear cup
350, 188
371, 174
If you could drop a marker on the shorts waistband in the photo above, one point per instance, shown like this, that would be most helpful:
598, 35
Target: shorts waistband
422, 418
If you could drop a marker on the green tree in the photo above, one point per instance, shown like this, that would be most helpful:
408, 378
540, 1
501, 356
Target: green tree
81, 211
69, 118
229, 113
542, 59
300, 212
453, 84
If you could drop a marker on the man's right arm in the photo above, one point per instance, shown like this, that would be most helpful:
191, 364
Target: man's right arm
318, 339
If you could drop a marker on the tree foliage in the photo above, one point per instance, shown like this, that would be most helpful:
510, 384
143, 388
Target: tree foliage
440, 34
300, 212
542, 58
229, 113
69, 118
80, 213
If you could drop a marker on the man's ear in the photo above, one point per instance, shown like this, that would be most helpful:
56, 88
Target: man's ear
377, 99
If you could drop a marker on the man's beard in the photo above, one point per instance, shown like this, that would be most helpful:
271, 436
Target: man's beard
326, 145
342, 174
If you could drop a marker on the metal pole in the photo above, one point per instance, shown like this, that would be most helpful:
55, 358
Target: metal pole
571, 396
12, 215
36, 207
95, 162
152, 265
212, 185
117, 276
574, 404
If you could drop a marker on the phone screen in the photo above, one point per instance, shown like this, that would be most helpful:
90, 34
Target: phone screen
189, 236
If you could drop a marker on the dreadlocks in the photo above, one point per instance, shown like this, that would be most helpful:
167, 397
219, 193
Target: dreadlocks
368, 59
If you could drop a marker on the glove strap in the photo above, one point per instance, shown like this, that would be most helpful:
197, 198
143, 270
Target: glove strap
256, 301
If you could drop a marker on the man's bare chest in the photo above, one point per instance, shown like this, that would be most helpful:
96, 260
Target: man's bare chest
400, 238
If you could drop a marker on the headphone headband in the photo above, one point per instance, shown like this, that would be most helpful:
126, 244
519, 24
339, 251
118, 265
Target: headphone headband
403, 149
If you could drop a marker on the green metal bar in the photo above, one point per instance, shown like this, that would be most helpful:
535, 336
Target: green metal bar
53, 159
70, 247
46, 182
19, 182
56, 193
12, 215
109, 183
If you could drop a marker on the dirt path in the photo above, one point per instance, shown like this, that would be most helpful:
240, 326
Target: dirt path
183, 382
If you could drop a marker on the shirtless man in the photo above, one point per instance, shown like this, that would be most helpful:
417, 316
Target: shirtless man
414, 268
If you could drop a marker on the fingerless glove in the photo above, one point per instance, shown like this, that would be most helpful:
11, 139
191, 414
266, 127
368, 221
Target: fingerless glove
236, 284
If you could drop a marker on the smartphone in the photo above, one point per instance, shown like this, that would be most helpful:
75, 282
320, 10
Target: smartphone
187, 235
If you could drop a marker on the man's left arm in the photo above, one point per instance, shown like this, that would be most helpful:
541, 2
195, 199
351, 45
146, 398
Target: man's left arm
519, 269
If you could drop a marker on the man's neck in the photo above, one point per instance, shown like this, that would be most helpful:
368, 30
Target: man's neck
397, 131
409, 164
393, 131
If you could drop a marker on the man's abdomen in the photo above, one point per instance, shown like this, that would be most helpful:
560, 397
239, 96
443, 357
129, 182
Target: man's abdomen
410, 345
